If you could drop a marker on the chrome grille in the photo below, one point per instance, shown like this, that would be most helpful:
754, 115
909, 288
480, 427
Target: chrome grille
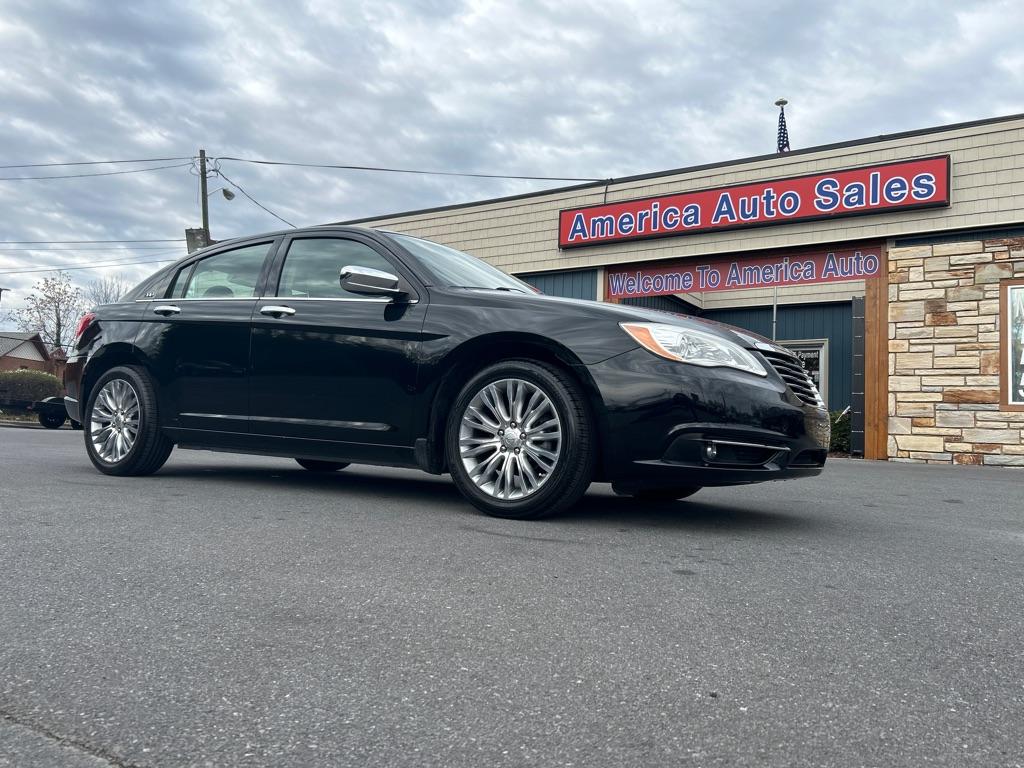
795, 375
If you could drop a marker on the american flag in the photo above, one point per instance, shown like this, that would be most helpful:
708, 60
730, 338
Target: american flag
783, 131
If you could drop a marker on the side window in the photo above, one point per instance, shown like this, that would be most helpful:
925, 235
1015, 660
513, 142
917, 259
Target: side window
312, 267
232, 274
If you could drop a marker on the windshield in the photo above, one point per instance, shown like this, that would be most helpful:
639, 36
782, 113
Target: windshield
455, 269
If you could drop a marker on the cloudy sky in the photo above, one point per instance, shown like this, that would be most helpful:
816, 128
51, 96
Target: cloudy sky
560, 88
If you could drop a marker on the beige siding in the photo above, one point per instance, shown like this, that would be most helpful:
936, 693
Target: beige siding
522, 235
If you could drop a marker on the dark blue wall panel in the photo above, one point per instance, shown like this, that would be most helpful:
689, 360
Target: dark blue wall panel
806, 321
664, 303
581, 284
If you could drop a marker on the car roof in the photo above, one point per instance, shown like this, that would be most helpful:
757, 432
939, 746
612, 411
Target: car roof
281, 232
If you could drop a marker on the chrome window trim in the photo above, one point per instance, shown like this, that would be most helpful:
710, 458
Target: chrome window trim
286, 299
373, 300
200, 298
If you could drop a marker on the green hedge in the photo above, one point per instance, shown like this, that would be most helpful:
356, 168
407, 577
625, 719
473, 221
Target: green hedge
28, 385
840, 432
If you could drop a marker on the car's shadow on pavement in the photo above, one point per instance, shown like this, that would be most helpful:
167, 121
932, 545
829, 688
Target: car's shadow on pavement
687, 514
431, 493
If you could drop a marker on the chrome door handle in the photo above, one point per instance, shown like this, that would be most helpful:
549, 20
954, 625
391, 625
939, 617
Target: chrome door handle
166, 309
276, 311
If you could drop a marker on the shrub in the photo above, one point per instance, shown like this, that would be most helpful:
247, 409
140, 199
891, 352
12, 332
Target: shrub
840, 431
28, 385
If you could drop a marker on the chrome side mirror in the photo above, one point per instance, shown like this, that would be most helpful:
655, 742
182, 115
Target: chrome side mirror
371, 282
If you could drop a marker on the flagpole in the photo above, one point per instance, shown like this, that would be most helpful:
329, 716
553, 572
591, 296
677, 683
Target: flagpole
782, 141
782, 145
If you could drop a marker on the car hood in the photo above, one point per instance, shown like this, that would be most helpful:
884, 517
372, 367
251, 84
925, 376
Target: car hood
623, 313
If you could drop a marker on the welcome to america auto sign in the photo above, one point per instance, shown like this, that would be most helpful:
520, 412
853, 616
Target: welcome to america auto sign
775, 270
890, 187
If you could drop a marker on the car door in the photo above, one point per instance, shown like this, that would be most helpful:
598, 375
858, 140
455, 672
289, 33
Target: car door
197, 338
329, 365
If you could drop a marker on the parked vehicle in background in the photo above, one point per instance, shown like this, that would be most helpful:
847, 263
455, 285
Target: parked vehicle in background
52, 413
338, 345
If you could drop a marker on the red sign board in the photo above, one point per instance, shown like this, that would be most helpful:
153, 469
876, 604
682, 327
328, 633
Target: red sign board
890, 187
774, 271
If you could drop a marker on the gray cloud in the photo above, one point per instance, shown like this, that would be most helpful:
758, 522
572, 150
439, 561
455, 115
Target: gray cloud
545, 88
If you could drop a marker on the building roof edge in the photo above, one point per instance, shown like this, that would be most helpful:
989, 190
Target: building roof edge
691, 169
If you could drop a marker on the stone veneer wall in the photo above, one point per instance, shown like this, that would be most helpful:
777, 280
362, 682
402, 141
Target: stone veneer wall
944, 354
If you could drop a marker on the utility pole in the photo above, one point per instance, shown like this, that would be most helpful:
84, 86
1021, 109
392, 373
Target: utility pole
2, 292
200, 238
202, 194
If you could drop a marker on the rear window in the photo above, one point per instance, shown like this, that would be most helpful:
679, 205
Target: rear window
227, 275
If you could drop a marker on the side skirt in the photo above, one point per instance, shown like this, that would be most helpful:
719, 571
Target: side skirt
293, 447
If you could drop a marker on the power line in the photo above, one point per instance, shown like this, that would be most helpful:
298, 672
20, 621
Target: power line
251, 198
97, 162
127, 259
335, 166
89, 175
77, 242
90, 266
405, 170
108, 250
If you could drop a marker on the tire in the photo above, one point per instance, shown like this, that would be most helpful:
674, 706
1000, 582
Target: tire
660, 494
76, 424
480, 444
314, 465
52, 422
149, 448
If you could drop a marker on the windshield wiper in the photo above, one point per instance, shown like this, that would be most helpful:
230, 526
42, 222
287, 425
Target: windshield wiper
489, 288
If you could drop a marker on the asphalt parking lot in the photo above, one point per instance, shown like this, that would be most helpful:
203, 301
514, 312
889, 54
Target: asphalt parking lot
242, 611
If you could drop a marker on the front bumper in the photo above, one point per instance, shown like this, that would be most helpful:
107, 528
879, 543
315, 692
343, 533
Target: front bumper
673, 424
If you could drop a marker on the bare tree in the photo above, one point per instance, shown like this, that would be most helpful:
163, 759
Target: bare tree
52, 310
106, 290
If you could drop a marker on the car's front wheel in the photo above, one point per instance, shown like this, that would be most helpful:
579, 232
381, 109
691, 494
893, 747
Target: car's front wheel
122, 428
519, 440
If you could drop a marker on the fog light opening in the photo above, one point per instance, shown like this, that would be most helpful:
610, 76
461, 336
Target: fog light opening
710, 452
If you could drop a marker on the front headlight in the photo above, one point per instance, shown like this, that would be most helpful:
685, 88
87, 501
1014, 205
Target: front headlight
688, 345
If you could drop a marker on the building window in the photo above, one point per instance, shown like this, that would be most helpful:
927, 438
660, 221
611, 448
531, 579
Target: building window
1011, 354
813, 353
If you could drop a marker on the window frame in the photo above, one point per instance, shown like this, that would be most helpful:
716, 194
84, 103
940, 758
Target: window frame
407, 280
1006, 332
259, 290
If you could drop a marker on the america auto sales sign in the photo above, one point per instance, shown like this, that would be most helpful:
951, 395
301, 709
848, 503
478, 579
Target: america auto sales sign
886, 188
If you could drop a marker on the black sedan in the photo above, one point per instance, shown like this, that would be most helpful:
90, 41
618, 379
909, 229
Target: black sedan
338, 345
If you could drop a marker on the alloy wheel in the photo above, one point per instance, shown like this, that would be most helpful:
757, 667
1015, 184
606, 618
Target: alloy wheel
114, 421
510, 439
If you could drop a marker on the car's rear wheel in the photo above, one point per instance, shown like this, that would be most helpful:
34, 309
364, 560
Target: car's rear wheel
122, 427
314, 465
519, 440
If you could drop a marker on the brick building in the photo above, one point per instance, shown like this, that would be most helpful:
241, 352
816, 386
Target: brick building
24, 351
